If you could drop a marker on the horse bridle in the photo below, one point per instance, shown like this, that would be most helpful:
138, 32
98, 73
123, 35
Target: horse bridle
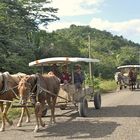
31, 87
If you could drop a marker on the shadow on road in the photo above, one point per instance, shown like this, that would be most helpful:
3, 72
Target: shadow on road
79, 129
116, 111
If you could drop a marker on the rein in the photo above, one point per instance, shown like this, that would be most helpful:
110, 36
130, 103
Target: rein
51, 93
12, 89
32, 92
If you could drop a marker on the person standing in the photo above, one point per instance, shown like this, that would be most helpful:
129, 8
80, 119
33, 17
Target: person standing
78, 78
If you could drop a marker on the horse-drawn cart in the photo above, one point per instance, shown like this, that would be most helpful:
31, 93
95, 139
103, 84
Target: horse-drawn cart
125, 78
68, 96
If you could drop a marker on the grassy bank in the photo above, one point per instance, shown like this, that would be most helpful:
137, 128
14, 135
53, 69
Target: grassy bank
107, 86
15, 113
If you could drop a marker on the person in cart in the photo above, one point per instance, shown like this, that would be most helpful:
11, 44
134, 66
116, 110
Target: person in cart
56, 71
65, 75
78, 78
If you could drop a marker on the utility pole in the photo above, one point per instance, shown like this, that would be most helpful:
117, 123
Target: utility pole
89, 55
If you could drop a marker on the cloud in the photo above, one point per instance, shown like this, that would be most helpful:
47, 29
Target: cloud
76, 7
129, 29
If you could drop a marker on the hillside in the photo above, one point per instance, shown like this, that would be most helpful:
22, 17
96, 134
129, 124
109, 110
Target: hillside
111, 50
74, 41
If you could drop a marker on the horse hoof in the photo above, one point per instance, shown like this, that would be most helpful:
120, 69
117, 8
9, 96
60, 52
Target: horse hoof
36, 130
10, 122
43, 125
19, 125
50, 123
27, 121
2, 129
54, 122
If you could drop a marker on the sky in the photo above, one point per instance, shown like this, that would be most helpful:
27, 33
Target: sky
120, 17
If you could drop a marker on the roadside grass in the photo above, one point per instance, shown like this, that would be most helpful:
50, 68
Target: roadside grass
14, 113
107, 86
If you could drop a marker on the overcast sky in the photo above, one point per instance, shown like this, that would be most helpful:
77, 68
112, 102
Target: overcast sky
120, 17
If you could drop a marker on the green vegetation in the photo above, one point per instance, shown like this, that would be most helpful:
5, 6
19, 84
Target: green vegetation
21, 41
15, 113
107, 86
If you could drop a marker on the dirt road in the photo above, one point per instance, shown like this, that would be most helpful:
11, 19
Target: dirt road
119, 119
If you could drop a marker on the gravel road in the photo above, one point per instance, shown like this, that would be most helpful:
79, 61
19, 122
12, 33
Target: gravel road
118, 119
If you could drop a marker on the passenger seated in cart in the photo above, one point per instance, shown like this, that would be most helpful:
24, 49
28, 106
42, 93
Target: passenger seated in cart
65, 75
56, 71
78, 78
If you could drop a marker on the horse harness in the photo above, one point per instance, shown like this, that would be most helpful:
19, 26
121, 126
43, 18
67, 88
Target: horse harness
36, 89
5, 87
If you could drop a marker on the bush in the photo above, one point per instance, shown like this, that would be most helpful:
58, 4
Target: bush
104, 86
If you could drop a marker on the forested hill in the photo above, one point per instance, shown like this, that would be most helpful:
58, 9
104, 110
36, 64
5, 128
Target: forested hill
111, 50
74, 41
22, 42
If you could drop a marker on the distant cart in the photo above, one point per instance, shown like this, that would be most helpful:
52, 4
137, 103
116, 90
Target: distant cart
125, 69
68, 97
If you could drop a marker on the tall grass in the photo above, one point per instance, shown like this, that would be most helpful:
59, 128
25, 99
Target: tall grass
107, 86
14, 113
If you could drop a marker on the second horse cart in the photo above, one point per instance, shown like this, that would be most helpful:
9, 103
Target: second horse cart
124, 71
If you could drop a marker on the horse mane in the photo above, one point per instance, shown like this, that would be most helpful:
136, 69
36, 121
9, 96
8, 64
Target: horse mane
6, 73
20, 74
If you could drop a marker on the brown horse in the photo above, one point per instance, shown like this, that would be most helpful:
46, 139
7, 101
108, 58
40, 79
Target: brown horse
45, 88
132, 79
9, 92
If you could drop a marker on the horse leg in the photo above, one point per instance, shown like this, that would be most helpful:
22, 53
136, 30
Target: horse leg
41, 122
21, 117
53, 109
37, 109
2, 108
39, 113
9, 121
4, 116
50, 106
28, 114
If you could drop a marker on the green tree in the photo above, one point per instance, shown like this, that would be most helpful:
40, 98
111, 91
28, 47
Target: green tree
18, 22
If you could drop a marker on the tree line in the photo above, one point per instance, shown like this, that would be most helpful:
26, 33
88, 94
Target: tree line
21, 41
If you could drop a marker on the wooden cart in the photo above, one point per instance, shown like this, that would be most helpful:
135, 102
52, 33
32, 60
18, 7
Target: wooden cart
68, 97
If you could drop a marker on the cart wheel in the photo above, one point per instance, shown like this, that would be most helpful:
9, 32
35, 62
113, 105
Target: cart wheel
83, 107
97, 100
63, 107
